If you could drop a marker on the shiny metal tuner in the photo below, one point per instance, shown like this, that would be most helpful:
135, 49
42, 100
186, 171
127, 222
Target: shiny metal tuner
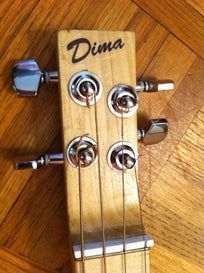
85, 88
47, 159
123, 100
82, 152
149, 86
122, 156
155, 132
27, 77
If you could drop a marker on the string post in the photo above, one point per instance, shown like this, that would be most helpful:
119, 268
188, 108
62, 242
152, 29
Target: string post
85, 88
82, 151
127, 161
126, 103
123, 100
122, 156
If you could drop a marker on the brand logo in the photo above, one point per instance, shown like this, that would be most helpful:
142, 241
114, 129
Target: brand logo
88, 48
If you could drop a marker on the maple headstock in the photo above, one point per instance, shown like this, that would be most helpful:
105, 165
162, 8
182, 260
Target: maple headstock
105, 61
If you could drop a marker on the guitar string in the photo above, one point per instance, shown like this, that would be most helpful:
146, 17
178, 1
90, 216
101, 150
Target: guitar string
141, 220
124, 199
81, 207
101, 201
124, 212
100, 189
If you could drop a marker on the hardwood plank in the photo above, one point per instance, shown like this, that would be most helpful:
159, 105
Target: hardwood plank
161, 257
10, 262
168, 61
149, 38
54, 236
197, 5
28, 135
35, 207
175, 201
9, 28
180, 18
107, 15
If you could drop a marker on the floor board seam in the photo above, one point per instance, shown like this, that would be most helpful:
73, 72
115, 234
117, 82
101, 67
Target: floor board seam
168, 30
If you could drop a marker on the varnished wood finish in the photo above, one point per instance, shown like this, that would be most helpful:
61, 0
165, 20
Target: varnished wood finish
32, 209
135, 263
77, 121
184, 18
10, 262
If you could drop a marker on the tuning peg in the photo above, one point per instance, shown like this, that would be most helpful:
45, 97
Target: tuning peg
47, 159
27, 77
155, 132
149, 86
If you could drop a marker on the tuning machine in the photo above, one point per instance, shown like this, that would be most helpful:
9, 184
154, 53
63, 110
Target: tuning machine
43, 160
151, 86
27, 78
154, 133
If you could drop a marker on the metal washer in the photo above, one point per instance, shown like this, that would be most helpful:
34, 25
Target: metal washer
115, 93
71, 151
76, 80
116, 146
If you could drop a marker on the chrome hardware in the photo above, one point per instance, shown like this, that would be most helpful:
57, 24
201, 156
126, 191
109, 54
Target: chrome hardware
155, 132
122, 156
123, 100
149, 86
47, 159
82, 150
27, 78
83, 87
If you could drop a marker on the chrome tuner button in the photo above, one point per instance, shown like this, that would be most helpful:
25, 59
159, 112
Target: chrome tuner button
155, 132
85, 88
123, 100
122, 156
27, 78
149, 86
83, 151
43, 160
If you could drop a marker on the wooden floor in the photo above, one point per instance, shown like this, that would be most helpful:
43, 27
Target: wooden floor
170, 45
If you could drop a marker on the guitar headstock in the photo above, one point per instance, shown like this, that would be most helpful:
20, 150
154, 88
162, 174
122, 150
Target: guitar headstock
111, 73
99, 101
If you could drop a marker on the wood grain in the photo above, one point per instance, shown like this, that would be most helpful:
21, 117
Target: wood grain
32, 208
180, 18
135, 262
10, 262
177, 194
107, 66
197, 5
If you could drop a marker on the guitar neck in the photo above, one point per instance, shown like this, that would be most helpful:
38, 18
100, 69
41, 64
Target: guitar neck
135, 262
